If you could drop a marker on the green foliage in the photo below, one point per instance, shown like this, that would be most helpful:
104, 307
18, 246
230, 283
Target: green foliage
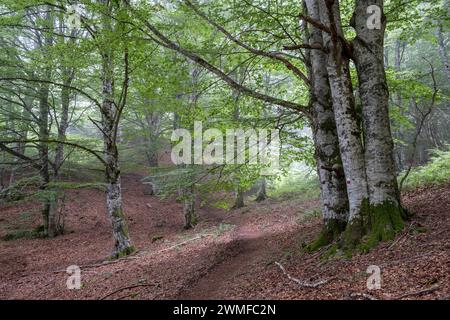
27, 234
21, 189
437, 171
298, 185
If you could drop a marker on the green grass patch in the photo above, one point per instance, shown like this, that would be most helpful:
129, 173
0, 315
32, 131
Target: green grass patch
19, 234
437, 171
299, 187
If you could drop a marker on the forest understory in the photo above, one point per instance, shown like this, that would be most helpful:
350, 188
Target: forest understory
230, 254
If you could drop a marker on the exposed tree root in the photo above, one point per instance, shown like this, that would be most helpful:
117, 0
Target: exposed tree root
302, 283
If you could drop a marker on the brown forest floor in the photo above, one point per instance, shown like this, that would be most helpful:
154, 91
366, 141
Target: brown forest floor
229, 255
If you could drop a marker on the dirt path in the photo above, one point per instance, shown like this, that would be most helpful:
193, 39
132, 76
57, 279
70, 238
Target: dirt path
243, 250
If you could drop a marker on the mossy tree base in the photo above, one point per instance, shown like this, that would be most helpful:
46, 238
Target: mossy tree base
385, 223
375, 224
122, 253
261, 197
331, 231
382, 224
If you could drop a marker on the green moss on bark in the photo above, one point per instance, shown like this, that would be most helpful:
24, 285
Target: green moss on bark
330, 232
122, 253
331, 252
377, 224
356, 229
385, 222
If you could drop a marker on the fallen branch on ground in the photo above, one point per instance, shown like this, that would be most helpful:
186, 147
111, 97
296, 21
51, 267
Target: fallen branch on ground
306, 284
184, 242
403, 235
417, 293
129, 287
135, 256
363, 295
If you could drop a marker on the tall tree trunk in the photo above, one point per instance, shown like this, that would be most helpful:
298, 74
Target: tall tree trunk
23, 134
64, 120
109, 110
238, 192
238, 198
49, 210
346, 118
190, 216
328, 159
2, 172
262, 192
399, 149
443, 49
386, 210
153, 121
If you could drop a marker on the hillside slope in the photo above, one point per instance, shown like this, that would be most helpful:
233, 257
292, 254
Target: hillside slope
229, 255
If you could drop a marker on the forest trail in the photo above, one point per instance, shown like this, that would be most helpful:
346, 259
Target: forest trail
247, 248
229, 255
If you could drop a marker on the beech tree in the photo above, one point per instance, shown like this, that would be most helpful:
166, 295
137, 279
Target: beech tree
373, 196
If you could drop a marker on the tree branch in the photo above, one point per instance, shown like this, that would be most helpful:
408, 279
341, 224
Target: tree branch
167, 43
270, 55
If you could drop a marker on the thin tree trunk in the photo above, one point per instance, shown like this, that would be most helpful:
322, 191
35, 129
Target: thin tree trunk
400, 148
2, 172
386, 210
238, 192
23, 134
64, 121
109, 110
153, 122
190, 216
443, 50
262, 192
49, 210
238, 198
329, 164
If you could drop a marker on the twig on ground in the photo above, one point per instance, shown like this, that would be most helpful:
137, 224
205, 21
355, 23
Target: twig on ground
417, 293
402, 236
303, 283
362, 295
134, 256
129, 287
184, 242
